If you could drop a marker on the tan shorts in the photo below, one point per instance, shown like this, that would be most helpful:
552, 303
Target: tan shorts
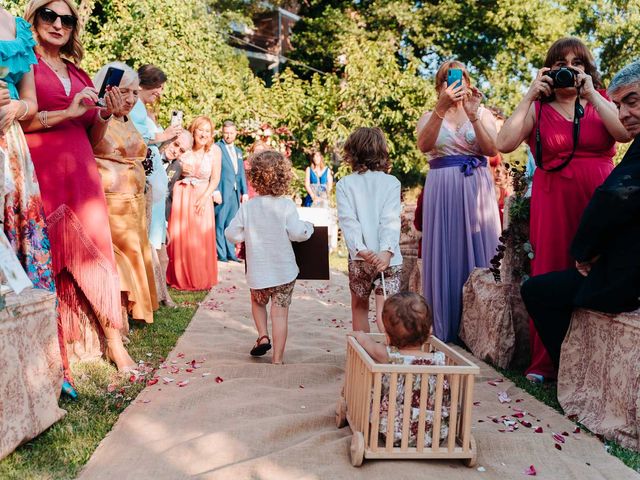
363, 278
280, 295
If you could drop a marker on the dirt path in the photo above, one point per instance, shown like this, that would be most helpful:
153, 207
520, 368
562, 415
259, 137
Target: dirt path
241, 418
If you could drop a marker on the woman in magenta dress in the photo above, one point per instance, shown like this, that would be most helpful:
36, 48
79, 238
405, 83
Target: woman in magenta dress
60, 139
561, 193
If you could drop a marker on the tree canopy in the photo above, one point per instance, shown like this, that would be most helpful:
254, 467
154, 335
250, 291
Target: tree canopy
379, 57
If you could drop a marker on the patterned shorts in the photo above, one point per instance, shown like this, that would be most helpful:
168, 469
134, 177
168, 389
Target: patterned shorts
363, 278
280, 295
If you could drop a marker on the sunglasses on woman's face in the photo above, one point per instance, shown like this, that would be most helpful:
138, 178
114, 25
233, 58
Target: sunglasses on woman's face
49, 17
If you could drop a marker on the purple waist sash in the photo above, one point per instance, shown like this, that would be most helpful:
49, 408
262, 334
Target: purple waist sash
467, 163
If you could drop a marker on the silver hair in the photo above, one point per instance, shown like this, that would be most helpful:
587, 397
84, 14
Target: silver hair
130, 75
627, 76
186, 133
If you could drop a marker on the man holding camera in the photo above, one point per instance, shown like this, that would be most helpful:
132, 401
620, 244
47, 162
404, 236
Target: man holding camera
231, 190
606, 246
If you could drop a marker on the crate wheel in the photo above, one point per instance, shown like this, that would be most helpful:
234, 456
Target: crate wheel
341, 413
357, 449
473, 461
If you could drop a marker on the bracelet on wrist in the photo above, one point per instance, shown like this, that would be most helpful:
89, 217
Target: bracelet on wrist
26, 110
103, 119
474, 119
441, 117
42, 118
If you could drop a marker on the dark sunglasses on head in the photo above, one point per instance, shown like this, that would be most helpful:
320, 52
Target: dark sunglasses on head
49, 17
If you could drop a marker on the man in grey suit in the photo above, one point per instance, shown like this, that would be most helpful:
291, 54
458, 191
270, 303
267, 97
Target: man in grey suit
232, 189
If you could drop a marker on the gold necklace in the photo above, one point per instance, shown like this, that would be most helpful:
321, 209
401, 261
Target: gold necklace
569, 115
57, 70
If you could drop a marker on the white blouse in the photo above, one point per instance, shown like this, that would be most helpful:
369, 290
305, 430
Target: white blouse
369, 213
268, 225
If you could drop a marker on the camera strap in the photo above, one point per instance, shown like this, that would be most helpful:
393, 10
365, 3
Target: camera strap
578, 113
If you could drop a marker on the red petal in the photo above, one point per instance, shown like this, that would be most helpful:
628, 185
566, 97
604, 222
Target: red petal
577, 430
188, 370
520, 400
538, 430
301, 386
153, 381
476, 403
565, 434
518, 415
558, 438
219, 380
531, 471
184, 383
132, 378
526, 424
558, 446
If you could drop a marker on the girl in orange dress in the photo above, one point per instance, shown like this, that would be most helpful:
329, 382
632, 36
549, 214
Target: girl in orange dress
193, 263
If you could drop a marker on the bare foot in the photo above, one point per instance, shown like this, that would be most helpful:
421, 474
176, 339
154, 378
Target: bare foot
116, 352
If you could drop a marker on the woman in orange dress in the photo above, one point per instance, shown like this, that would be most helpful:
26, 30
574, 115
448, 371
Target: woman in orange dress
119, 156
193, 263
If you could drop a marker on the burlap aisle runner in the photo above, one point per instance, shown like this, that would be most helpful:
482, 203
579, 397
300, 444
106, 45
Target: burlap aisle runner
277, 422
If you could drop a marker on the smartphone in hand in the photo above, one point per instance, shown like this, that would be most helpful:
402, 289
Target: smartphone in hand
112, 78
454, 76
176, 118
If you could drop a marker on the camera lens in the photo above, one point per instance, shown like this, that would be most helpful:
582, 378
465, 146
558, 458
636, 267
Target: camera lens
564, 78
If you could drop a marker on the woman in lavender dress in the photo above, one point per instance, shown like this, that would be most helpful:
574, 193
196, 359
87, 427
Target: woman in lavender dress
460, 213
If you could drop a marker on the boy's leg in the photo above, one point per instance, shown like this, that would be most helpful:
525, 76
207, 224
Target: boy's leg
379, 306
359, 313
280, 301
361, 277
259, 312
279, 328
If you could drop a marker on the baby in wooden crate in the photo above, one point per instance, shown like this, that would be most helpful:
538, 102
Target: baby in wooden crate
407, 322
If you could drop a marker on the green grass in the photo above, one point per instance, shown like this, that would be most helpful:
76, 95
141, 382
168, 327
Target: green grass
548, 394
61, 451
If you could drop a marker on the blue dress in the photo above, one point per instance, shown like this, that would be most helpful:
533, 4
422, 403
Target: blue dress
318, 185
158, 178
24, 219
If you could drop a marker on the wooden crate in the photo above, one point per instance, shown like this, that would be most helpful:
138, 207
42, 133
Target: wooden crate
359, 405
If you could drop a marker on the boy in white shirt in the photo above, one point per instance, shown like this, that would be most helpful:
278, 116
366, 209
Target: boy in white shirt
268, 223
369, 216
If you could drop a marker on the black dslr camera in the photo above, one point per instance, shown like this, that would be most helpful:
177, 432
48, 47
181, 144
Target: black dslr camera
563, 77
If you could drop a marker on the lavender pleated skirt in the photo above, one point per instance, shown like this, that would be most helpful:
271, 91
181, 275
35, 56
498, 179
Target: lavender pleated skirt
461, 226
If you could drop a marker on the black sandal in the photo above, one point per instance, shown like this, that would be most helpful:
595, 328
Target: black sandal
261, 348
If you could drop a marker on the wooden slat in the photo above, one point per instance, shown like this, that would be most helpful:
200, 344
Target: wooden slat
367, 419
363, 397
466, 413
406, 410
453, 411
375, 415
424, 396
437, 414
393, 394
358, 396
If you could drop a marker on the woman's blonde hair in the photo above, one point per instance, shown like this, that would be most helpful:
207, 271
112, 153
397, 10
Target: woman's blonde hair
73, 49
196, 124
443, 72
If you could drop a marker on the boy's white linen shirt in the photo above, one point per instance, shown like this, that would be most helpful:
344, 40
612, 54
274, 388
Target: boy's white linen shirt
369, 213
268, 225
